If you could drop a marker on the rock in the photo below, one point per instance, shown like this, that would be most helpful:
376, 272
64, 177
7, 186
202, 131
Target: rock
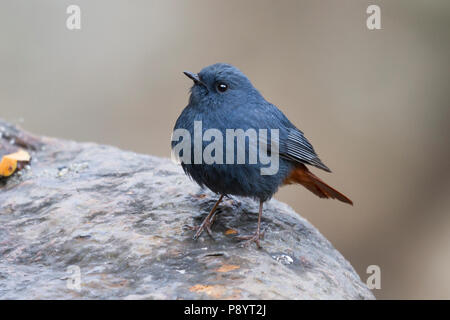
114, 223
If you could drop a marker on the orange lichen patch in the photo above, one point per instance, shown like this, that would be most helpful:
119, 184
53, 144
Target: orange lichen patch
9, 162
7, 166
230, 231
198, 196
215, 291
227, 268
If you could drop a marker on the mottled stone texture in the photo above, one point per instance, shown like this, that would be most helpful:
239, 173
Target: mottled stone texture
121, 217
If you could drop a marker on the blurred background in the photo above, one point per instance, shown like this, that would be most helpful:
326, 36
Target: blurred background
375, 104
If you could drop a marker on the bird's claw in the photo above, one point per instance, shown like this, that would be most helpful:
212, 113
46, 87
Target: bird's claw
252, 238
206, 225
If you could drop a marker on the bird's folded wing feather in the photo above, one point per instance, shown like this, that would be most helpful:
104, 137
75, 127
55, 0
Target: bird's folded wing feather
298, 149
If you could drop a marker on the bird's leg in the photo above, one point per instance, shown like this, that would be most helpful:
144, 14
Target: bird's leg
258, 234
206, 224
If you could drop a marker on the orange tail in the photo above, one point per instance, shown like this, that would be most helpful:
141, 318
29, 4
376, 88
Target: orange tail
306, 178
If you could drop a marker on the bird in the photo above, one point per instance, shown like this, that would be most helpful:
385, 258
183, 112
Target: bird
223, 98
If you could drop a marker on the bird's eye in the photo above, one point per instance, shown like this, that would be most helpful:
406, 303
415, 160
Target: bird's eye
221, 87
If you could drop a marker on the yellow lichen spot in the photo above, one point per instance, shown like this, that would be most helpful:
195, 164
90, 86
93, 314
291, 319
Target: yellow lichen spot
215, 291
9, 162
227, 268
7, 166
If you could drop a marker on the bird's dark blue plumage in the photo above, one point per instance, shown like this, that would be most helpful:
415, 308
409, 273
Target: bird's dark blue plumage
241, 107
222, 98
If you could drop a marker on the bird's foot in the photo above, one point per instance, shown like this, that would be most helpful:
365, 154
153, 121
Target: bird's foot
199, 230
205, 225
252, 238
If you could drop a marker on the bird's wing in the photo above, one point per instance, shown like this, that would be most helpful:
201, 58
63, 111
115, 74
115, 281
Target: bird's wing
298, 149
293, 144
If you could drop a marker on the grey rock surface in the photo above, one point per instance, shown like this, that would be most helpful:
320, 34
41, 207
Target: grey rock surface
118, 220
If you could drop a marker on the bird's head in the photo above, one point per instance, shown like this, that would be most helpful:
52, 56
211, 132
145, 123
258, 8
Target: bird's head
220, 84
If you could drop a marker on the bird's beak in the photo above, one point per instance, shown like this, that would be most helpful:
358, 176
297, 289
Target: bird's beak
194, 77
